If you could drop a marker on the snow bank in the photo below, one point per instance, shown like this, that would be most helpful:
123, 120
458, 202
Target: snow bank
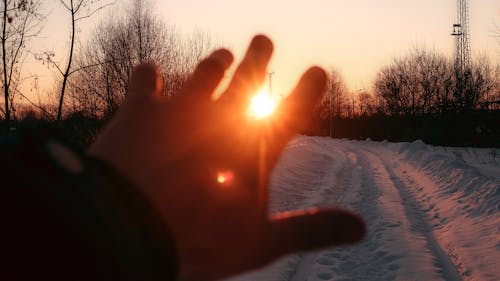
458, 189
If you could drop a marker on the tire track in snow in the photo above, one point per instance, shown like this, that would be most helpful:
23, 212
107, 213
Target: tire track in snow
372, 259
336, 184
363, 179
418, 219
392, 250
362, 184
453, 194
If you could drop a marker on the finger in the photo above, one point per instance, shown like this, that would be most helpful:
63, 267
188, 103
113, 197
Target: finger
251, 73
146, 82
296, 111
208, 75
291, 232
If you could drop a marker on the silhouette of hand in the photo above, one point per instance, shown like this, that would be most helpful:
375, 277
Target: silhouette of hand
205, 165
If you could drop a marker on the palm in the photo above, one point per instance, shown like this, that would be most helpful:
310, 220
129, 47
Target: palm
221, 227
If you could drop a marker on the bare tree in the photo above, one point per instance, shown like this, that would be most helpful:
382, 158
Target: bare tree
475, 86
415, 84
21, 21
122, 42
426, 82
486, 83
333, 105
367, 103
78, 10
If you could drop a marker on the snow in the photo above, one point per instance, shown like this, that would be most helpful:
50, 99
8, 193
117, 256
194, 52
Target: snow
433, 213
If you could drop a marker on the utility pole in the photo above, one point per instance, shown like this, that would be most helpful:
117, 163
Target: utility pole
352, 112
270, 82
330, 113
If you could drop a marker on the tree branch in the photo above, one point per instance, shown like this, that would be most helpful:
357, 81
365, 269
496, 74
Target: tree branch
32, 103
49, 60
78, 6
94, 11
92, 65
65, 5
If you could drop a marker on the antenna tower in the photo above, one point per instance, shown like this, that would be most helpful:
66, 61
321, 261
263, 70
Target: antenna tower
461, 32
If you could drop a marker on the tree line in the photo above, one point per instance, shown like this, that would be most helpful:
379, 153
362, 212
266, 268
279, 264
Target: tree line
422, 95
421, 83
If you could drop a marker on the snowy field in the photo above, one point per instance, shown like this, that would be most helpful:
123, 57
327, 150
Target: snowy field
433, 213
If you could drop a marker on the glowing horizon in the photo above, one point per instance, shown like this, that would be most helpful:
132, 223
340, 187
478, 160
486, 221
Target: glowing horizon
355, 37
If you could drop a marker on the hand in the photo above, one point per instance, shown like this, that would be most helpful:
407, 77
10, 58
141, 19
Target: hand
175, 151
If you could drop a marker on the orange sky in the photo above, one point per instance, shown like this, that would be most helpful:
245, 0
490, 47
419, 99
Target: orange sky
356, 37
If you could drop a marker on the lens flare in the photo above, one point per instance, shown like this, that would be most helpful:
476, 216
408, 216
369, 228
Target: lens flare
224, 178
221, 178
262, 105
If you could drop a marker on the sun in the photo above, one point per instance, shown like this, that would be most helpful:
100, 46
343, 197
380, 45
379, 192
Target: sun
261, 105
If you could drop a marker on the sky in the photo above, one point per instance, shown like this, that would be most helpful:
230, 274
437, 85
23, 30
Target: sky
354, 37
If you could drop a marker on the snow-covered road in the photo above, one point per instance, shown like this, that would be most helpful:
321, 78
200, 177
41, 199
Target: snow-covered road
433, 213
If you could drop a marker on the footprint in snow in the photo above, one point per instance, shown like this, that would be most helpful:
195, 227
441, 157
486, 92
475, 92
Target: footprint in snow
380, 254
335, 255
391, 258
324, 276
391, 224
325, 261
394, 267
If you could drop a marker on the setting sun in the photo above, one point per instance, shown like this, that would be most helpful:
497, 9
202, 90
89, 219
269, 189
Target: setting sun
262, 105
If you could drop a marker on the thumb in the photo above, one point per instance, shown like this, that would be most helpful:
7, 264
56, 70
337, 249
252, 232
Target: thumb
304, 231
146, 82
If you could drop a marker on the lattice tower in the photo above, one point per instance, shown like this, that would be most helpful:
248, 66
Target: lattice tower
461, 32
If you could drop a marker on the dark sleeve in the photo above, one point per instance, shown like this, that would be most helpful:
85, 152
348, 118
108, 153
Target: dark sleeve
67, 216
